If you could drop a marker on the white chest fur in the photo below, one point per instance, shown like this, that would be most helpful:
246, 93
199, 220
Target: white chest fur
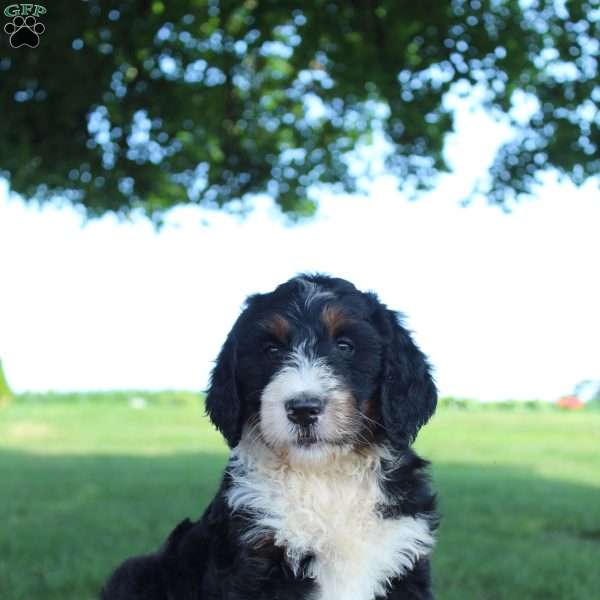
328, 511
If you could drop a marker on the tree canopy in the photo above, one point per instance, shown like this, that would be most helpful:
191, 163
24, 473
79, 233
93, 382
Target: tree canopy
148, 104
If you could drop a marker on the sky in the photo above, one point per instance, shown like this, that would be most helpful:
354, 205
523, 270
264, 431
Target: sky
505, 305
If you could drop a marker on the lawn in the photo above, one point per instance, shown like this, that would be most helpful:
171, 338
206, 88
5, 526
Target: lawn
85, 483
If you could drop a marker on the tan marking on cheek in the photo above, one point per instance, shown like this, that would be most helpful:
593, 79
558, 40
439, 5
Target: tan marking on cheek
265, 539
343, 415
279, 326
371, 411
334, 319
370, 423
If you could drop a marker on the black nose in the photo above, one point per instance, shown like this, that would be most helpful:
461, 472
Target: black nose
303, 410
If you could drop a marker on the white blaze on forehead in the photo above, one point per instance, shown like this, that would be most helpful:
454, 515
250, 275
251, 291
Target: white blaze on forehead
314, 292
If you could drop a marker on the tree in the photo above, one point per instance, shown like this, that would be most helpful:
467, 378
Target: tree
6, 394
147, 104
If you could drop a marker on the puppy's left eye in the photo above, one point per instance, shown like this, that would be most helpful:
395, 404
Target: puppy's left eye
272, 350
345, 345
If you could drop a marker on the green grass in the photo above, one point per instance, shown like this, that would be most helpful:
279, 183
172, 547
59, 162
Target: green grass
84, 484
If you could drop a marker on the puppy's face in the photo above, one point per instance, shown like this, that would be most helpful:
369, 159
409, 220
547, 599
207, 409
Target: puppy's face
309, 368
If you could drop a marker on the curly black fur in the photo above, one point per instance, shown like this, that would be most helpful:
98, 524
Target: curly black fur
212, 559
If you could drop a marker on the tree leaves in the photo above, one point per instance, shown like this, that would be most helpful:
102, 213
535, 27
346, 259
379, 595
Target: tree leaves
144, 105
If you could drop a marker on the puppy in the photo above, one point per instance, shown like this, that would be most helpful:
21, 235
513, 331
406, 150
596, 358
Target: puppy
319, 392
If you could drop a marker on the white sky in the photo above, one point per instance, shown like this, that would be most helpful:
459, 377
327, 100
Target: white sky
506, 306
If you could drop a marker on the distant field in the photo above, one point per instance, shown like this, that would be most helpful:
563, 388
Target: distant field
85, 482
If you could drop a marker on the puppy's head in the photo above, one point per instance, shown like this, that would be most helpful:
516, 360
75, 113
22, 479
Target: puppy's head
317, 365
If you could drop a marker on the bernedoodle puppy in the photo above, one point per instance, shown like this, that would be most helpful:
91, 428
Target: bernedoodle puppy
319, 391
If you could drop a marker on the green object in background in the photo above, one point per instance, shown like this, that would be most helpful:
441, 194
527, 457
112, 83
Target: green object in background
6, 394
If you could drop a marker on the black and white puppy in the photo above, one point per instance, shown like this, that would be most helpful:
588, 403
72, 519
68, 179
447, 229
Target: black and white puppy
319, 392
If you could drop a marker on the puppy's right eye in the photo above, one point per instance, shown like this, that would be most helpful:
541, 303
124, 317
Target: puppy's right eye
272, 350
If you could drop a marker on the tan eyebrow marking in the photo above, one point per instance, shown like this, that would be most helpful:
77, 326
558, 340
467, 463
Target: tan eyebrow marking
334, 319
279, 326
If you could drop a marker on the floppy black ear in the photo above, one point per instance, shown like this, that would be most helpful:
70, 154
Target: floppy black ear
408, 393
222, 400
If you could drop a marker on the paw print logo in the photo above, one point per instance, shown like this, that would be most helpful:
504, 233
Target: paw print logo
24, 31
